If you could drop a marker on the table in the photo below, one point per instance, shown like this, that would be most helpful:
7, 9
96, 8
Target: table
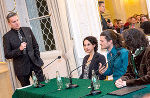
50, 90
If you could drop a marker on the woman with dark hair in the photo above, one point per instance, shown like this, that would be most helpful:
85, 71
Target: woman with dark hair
92, 60
138, 71
117, 55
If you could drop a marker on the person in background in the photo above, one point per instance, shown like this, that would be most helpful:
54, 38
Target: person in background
117, 55
146, 28
127, 24
21, 46
144, 18
115, 24
92, 59
105, 24
138, 71
138, 17
120, 27
134, 23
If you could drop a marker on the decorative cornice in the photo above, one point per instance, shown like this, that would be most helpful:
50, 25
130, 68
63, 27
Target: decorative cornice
14, 7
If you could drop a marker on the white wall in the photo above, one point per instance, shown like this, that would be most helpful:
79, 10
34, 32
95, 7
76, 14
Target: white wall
148, 7
83, 21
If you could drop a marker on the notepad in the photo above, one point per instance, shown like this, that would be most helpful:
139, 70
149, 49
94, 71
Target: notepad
126, 90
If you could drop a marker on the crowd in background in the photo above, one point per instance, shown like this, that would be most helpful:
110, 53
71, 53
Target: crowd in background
135, 21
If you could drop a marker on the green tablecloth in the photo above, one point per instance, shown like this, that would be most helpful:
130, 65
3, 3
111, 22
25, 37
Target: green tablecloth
136, 94
50, 90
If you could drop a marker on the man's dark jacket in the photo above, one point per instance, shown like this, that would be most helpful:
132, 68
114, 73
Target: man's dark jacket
12, 43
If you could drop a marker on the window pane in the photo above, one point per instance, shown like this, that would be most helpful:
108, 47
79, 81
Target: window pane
41, 26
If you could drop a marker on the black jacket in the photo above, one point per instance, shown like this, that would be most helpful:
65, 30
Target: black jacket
94, 65
104, 23
21, 62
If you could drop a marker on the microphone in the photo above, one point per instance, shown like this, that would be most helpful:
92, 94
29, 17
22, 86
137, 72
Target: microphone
59, 57
95, 92
118, 54
24, 50
70, 77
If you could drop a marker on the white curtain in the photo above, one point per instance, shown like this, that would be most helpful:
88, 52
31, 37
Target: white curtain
148, 7
3, 27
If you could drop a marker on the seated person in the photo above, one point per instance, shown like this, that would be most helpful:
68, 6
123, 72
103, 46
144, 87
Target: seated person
144, 18
92, 60
120, 27
138, 71
113, 43
146, 27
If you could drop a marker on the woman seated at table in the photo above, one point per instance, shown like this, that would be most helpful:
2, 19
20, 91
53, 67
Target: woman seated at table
92, 60
138, 71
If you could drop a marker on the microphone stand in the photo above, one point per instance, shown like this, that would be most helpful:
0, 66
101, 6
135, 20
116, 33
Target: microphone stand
70, 77
94, 92
52, 62
39, 85
113, 58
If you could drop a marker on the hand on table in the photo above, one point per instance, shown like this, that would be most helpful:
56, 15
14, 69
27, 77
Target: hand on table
119, 83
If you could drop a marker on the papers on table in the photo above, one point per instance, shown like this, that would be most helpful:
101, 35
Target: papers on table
24, 87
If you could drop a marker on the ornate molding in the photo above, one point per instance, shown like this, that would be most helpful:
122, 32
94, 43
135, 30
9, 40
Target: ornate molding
14, 7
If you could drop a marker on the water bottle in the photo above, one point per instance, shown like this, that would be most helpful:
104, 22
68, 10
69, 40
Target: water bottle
35, 81
59, 81
46, 78
95, 80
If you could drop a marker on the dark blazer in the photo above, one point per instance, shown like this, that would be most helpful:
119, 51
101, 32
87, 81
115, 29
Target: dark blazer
11, 49
94, 65
104, 23
118, 30
142, 63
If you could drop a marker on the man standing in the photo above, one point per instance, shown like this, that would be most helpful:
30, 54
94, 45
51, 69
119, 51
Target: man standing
117, 55
108, 24
21, 46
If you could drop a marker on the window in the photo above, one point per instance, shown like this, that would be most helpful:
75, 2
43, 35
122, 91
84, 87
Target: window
41, 24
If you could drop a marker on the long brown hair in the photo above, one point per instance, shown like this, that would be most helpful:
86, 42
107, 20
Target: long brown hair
115, 37
135, 38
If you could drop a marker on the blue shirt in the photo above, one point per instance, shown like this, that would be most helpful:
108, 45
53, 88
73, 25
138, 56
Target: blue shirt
118, 66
